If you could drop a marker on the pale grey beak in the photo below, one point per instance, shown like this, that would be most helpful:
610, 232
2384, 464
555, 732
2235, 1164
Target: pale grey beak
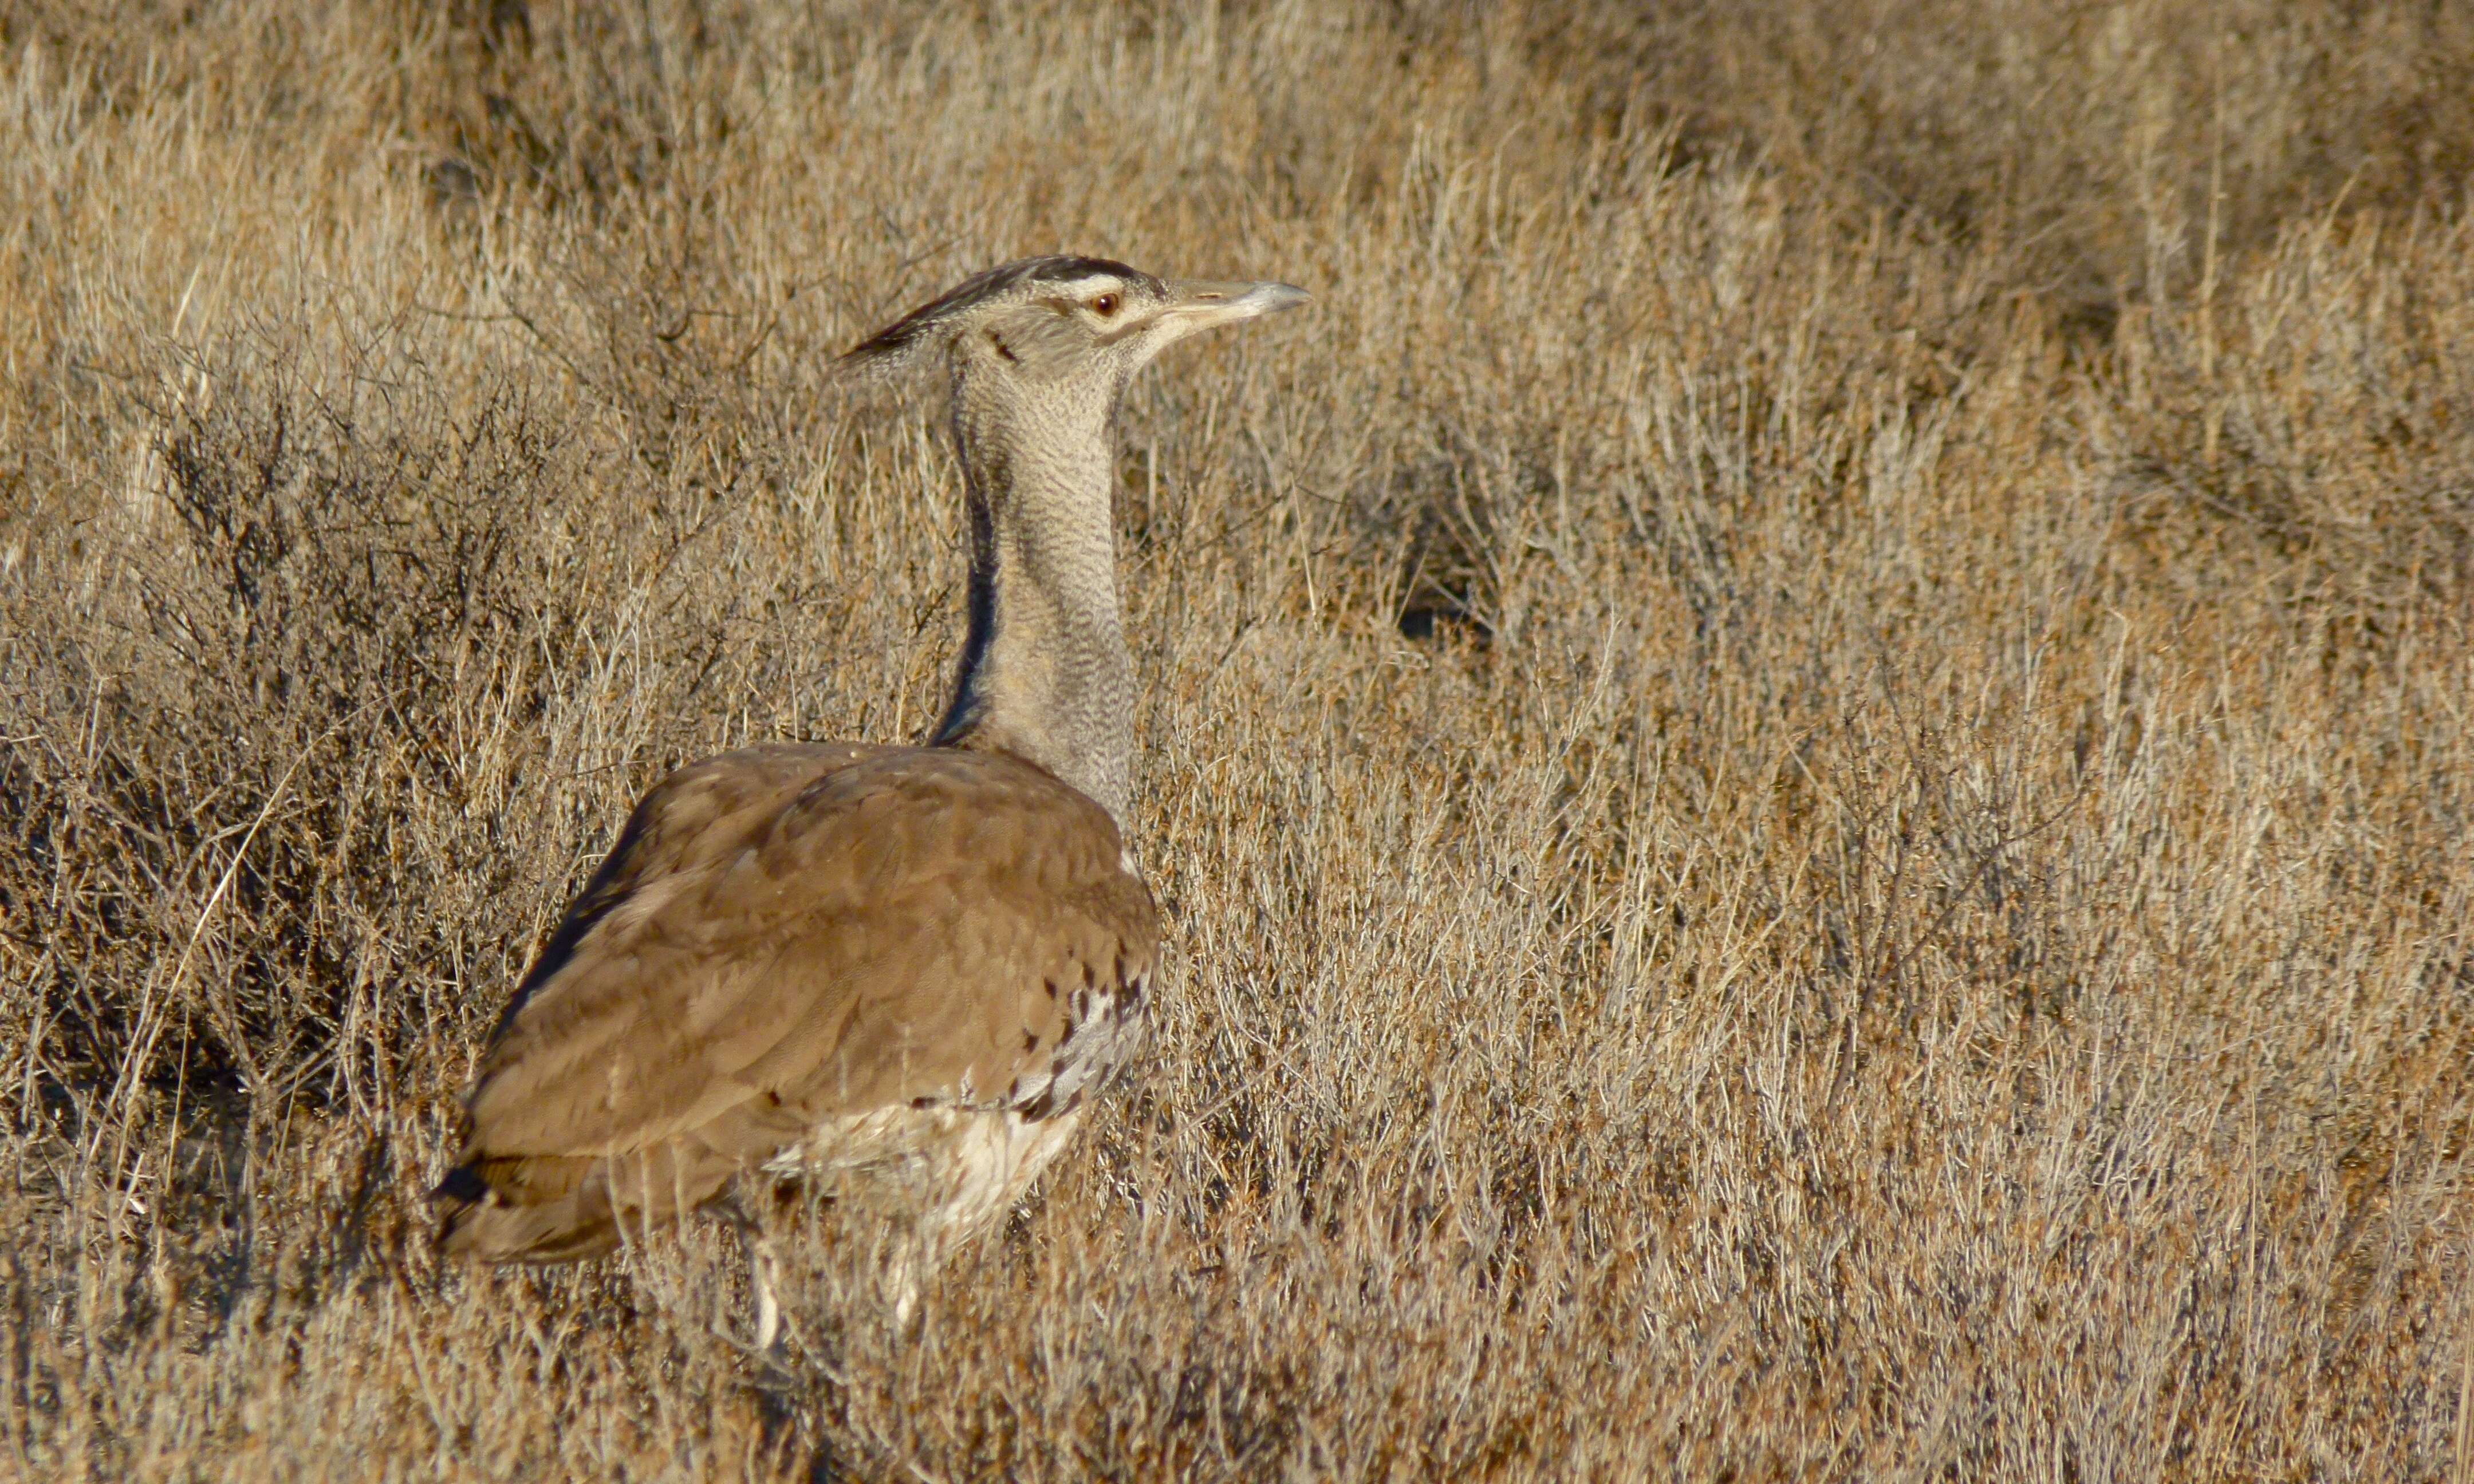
1200, 305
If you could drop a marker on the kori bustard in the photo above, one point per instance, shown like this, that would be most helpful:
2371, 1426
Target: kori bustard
904, 967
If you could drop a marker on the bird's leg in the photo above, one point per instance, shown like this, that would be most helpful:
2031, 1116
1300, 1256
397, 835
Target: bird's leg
759, 1253
769, 1312
902, 1287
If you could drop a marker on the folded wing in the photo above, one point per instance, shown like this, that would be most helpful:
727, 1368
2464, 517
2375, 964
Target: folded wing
783, 938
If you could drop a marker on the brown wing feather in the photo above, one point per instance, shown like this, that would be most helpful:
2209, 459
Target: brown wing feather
783, 936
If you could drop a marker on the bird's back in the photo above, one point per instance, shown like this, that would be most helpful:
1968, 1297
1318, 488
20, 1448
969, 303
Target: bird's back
808, 956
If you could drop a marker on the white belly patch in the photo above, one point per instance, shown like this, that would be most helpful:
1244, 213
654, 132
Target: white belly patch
949, 1168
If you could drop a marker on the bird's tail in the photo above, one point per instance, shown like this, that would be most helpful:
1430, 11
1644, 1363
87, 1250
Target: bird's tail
548, 1209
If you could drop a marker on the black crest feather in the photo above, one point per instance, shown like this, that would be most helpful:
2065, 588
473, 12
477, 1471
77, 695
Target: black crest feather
896, 340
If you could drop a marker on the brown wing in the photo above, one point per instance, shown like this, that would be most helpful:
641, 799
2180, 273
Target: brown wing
780, 937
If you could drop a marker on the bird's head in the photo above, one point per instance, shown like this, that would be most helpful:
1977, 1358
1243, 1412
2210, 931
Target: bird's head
1050, 327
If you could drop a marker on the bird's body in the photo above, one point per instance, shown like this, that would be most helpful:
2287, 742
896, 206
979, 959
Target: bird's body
811, 959
906, 968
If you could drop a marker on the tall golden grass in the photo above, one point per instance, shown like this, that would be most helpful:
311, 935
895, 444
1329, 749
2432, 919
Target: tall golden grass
1808, 746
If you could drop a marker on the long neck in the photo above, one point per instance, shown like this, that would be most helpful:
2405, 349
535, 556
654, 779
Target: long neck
1044, 674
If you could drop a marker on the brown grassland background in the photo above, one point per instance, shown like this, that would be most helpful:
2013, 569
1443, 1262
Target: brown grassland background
1806, 746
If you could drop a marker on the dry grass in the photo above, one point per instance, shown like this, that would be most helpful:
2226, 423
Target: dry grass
1808, 746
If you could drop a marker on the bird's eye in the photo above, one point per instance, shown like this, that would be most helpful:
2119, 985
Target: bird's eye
1105, 305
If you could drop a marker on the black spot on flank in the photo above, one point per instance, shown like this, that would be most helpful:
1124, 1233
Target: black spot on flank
1090, 978
1049, 985
463, 1183
923, 1102
1003, 348
1030, 1039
